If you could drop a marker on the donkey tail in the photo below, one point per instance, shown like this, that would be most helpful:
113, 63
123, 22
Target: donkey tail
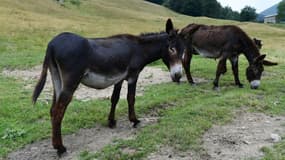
40, 85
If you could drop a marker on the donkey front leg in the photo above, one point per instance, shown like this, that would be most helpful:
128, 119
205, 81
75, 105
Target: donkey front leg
114, 101
221, 69
234, 62
131, 101
186, 61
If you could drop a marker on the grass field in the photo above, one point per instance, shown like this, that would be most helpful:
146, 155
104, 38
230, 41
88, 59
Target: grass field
27, 26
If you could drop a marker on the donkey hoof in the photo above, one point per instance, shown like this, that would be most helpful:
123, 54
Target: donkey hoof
60, 150
136, 122
216, 88
112, 123
240, 85
193, 84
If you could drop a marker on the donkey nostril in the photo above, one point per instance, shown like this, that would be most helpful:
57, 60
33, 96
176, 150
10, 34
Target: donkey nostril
254, 87
177, 76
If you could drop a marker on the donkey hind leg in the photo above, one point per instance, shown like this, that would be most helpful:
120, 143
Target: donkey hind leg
62, 98
186, 61
114, 100
221, 69
234, 63
131, 101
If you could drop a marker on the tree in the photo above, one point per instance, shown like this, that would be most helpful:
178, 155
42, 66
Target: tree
156, 1
208, 8
281, 11
189, 7
228, 13
248, 14
211, 8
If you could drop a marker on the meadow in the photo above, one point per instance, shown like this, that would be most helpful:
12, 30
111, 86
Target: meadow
26, 28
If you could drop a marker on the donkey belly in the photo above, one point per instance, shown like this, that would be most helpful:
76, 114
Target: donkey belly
101, 81
208, 54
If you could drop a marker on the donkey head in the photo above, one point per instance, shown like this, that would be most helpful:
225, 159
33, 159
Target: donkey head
254, 70
175, 51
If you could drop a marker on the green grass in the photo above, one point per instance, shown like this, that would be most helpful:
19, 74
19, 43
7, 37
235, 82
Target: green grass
275, 153
26, 28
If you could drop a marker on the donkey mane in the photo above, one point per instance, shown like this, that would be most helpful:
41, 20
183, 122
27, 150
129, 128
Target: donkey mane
152, 36
143, 37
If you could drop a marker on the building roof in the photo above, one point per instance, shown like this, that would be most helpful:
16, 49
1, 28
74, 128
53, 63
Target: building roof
268, 12
272, 15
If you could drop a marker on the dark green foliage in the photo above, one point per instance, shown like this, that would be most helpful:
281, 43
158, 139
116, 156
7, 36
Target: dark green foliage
228, 13
75, 2
211, 8
248, 14
281, 11
188, 7
208, 8
156, 1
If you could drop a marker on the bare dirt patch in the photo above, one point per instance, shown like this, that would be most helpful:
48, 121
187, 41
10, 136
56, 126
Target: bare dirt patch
241, 139
91, 140
149, 76
244, 137
168, 153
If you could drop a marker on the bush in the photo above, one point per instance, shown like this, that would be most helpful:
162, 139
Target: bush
75, 2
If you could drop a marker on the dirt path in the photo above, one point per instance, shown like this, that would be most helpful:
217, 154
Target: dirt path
241, 139
86, 139
91, 140
244, 137
149, 76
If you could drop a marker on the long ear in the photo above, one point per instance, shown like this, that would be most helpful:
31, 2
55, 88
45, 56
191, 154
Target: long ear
259, 59
268, 63
169, 26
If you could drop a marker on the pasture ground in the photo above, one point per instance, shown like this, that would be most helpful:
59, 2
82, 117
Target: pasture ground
26, 27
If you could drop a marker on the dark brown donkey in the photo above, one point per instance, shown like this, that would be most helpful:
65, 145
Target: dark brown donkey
223, 42
100, 63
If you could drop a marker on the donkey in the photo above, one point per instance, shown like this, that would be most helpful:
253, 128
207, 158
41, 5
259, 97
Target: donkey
223, 42
101, 62
257, 42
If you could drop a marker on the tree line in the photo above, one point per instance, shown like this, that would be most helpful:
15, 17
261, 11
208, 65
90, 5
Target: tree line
208, 8
281, 11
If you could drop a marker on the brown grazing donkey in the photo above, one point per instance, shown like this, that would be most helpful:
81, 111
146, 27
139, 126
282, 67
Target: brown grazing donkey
223, 42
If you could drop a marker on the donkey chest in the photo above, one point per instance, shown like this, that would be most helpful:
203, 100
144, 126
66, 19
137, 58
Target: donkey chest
101, 81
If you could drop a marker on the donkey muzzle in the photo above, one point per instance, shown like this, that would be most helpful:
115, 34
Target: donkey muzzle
254, 84
176, 72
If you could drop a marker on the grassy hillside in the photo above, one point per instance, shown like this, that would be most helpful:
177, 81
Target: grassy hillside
27, 26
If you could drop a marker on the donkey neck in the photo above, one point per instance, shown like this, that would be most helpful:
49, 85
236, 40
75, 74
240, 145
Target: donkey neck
153, 45
251, 52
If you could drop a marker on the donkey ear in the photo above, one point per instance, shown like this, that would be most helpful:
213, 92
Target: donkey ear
260, 59
169, 26
268, 63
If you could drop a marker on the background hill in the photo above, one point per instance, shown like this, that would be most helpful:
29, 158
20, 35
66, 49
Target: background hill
26, 27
